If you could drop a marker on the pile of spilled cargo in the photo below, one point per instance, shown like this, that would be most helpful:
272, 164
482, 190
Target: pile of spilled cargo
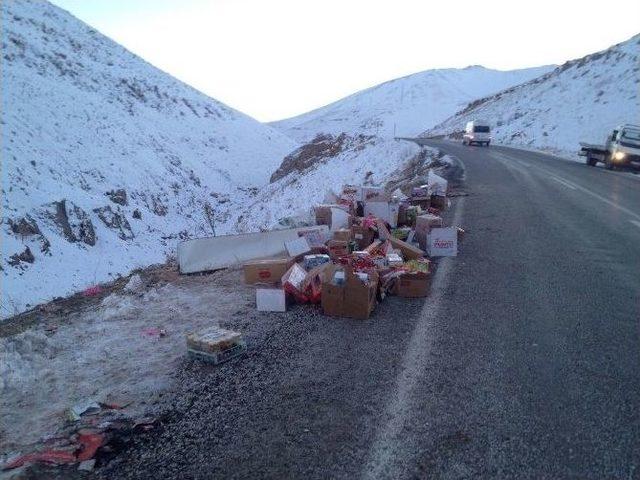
365, 246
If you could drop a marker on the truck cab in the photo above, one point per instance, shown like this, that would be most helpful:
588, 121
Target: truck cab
623, 145
621, 149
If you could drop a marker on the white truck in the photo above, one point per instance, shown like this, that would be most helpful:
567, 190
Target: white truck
622, 148
478, 132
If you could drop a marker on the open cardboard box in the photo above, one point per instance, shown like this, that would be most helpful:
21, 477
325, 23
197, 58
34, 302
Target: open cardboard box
413, 285
353, 299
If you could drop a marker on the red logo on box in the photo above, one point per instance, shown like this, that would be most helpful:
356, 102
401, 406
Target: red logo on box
264, 274
443, 244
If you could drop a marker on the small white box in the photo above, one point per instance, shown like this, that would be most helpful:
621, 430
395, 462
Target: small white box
271, 300
297, 247
442, 242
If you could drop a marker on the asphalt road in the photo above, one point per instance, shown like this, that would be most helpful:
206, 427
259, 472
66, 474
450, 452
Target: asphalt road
523, 363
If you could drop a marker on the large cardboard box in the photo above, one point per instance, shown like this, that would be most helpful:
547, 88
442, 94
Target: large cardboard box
413, 285
424, 224
353, 299
266, 271
443, 242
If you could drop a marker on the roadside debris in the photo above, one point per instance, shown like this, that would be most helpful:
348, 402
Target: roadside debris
215, 345
373, 244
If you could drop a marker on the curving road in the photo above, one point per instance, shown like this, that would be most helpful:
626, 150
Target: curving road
523, 363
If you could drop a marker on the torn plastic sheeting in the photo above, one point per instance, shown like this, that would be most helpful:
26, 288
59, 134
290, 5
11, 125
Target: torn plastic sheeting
210, 253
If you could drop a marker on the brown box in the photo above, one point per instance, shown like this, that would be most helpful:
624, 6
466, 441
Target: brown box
266, 271
353, 299
424, 224
362, 236
337, 248
344, 234
413, 285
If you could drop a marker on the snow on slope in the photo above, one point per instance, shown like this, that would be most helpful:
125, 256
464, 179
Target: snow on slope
413, 103
107, 160
321, 168
581, 100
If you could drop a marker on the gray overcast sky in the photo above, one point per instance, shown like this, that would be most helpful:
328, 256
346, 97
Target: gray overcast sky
274, 59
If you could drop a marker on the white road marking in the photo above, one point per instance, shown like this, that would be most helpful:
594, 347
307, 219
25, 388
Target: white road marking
388, 440
575, 186
566, 184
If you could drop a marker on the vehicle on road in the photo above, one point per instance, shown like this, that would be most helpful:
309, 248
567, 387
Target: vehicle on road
478, 132
621, 149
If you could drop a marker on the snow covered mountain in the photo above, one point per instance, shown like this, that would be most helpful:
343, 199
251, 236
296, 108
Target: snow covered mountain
107, 161
408, 105
581, 100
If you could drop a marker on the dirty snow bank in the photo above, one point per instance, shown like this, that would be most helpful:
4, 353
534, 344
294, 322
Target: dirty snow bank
108, 350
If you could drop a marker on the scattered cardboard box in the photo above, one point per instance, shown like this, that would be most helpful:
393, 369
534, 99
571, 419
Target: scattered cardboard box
354, 298
215, 345
424, 224
443, 242
266, 271
413, 285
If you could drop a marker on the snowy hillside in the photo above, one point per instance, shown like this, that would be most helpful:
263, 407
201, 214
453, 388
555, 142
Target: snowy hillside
581, 100
319, 169
107, 161
412, 104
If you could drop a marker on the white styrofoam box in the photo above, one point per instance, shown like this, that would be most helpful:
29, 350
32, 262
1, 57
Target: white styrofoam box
271, 300
297, 246
442, 242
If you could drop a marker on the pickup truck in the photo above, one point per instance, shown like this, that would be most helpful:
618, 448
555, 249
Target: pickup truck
622, 148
